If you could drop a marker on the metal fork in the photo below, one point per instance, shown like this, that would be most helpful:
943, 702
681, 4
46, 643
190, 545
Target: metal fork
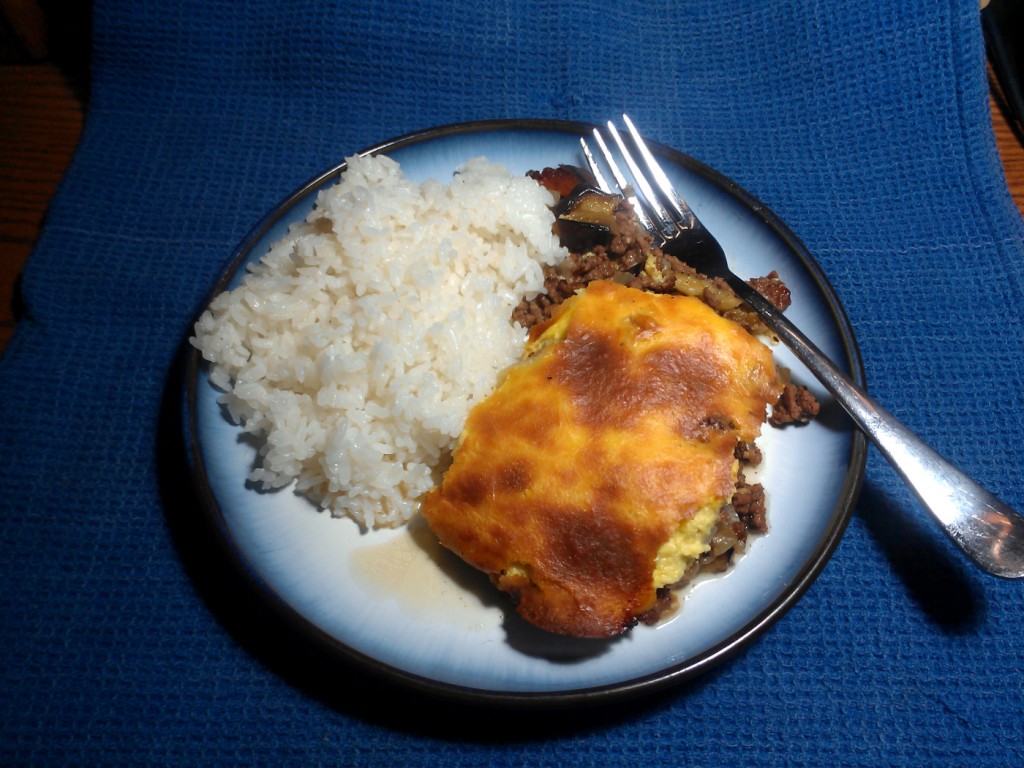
988, 531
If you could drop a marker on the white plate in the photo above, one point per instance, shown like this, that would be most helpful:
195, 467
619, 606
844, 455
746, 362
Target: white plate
395, 602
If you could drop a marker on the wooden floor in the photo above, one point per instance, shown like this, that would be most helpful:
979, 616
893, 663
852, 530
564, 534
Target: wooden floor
41, 121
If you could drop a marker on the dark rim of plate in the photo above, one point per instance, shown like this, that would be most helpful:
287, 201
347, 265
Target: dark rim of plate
603, 694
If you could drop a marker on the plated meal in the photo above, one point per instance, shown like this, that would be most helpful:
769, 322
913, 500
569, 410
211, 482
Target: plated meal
496, 364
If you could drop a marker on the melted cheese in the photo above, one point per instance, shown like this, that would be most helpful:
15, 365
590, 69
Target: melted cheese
594, 473
690, 541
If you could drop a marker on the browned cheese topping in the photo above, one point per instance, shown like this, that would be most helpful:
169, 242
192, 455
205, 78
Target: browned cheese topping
611, 444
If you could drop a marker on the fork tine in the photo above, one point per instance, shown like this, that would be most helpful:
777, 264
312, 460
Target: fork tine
624, 186
620, 177
602, 182
650, 199
661, 179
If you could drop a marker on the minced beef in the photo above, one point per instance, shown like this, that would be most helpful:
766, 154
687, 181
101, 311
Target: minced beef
749, 502
796, 405
748, 453
563, 281
773, 289
630, 259
617, 260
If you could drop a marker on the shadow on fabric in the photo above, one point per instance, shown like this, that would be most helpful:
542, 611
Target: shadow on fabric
936, 577
320, 672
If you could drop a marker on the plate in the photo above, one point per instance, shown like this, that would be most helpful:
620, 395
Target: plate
395, 602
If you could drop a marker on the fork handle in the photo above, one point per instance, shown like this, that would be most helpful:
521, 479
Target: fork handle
988, 531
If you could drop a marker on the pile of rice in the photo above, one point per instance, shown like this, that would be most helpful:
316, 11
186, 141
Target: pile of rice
356, 346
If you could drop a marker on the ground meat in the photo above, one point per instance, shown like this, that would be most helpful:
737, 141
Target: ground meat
748, 453
618, 260
662, 273
796, 405
563, 281
632, 243
772, 288
749, 502
629, 257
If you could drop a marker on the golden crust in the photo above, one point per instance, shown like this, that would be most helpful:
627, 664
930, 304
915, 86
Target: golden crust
617, 427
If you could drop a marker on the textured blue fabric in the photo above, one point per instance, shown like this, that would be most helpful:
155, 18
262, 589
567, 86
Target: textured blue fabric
865, 126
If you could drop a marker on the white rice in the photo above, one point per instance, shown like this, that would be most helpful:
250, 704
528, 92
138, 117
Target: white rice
356, 346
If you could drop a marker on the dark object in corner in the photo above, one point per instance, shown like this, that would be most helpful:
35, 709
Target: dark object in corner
1003, 25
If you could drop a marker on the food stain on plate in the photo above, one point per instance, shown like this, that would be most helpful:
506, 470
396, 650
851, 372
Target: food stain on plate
428, 582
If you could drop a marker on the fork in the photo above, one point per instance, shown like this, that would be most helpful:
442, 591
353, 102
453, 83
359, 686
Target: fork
988, 531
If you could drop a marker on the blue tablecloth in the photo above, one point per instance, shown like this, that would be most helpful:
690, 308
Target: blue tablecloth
864, 126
